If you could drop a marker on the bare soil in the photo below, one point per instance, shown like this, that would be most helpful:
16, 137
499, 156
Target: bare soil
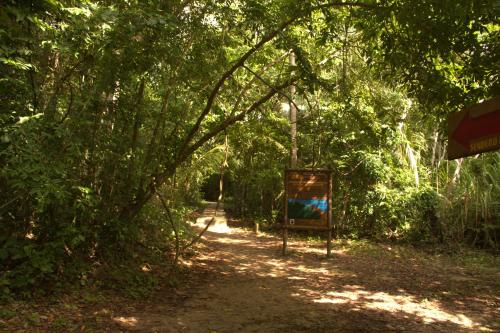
239, 282
250, 287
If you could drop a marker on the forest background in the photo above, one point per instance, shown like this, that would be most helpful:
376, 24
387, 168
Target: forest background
107, 106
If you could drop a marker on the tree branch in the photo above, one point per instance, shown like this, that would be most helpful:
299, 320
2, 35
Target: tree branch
222, 80
241, 61
290, 100
185, 149
231, 120
256, 77
176, 232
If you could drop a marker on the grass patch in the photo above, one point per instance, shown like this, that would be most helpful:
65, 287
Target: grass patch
7, 314
60, 323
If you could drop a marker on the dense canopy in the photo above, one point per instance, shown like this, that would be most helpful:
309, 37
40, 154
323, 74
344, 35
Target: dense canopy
106, 103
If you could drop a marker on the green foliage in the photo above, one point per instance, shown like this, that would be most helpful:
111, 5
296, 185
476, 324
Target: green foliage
132, 282
60, 323
371, 130
104, 103
33, 318
7, 314
470, 208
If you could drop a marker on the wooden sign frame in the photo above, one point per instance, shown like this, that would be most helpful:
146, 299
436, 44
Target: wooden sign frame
303, 183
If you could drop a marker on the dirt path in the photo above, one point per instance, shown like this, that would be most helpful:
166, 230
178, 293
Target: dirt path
248, 287
239, 282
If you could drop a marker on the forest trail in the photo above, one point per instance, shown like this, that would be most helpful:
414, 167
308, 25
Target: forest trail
220, 221
243, 284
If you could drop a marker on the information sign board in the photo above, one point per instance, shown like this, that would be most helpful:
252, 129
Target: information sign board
308, 199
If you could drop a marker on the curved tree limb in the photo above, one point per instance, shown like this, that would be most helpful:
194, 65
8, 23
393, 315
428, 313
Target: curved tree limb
186, 148
219, 199
241, 61
231, 120
261, 79
174, 228
256, 77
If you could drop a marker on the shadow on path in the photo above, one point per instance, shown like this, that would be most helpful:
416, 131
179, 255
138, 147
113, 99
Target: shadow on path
251, 288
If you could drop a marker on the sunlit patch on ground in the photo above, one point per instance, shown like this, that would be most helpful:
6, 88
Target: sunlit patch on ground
296, 278
428, 311
126, 321
220, 229
248, 286
311, 275
146, 268
218, 225
242, 283
232, 241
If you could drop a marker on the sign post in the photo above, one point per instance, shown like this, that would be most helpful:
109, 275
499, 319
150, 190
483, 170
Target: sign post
308, 202
474, 130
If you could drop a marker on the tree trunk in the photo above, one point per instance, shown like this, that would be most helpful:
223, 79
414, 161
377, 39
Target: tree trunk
293, 119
